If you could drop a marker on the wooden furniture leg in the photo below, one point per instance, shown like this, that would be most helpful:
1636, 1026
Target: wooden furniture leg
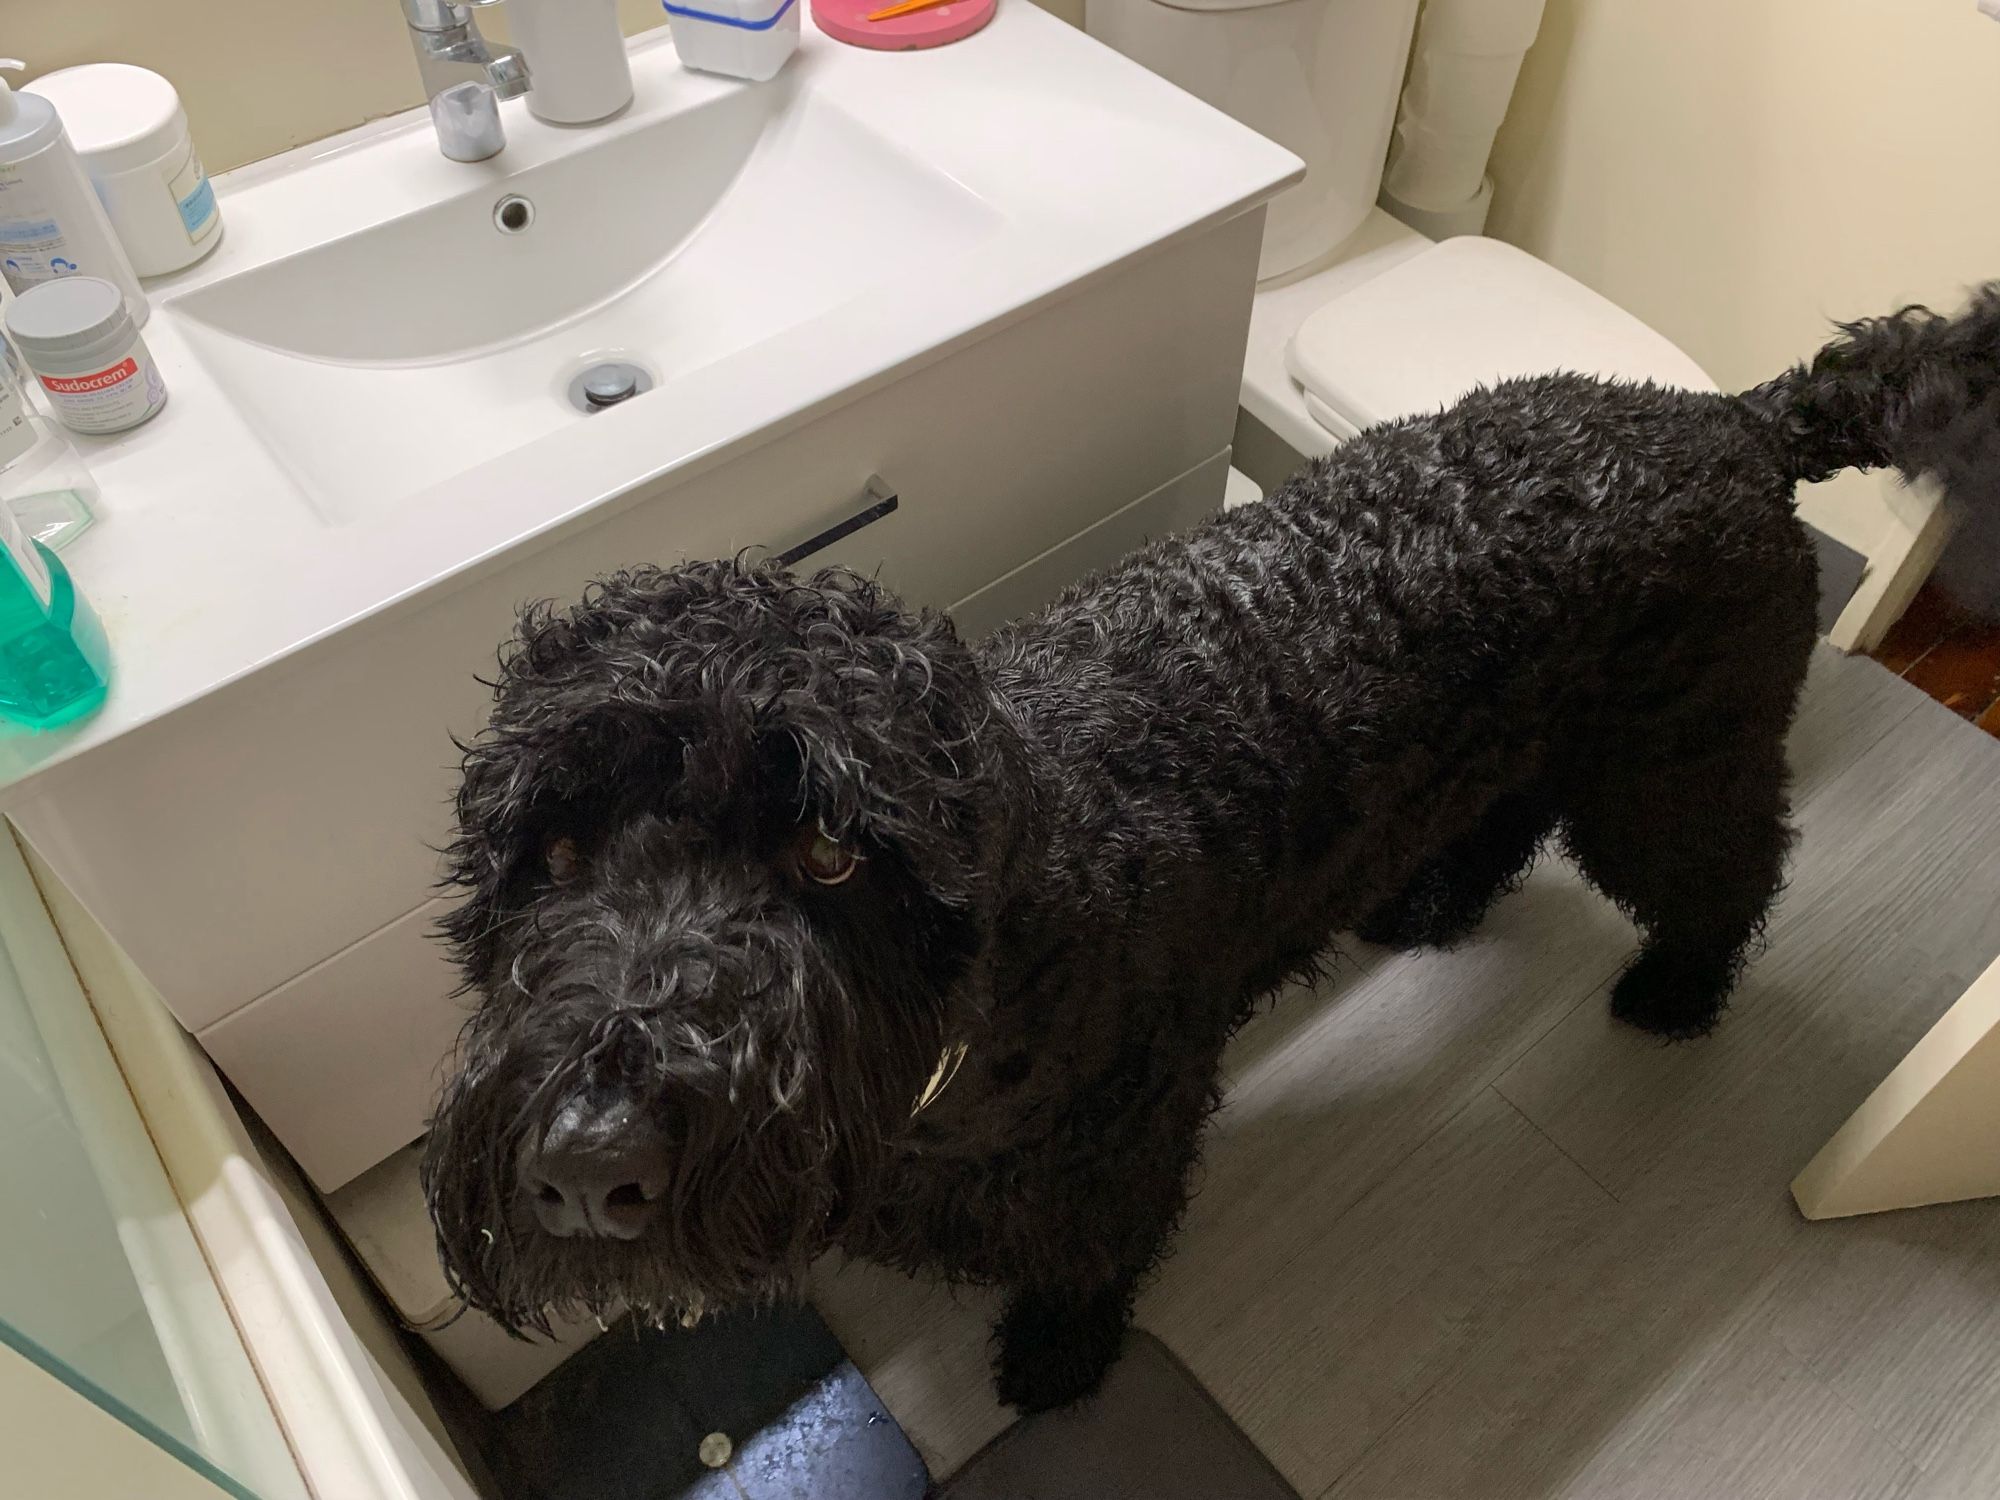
1930, 1133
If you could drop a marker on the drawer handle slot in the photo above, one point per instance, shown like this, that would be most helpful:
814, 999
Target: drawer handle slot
881, 501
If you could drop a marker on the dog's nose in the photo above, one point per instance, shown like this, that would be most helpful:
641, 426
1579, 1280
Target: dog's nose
599, 1170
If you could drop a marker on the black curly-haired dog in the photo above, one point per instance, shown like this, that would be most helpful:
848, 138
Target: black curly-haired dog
799, 923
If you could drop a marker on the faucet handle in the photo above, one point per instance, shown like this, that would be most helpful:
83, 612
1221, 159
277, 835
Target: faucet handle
467, 117
508, 71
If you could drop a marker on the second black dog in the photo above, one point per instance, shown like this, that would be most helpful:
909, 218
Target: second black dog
798, 923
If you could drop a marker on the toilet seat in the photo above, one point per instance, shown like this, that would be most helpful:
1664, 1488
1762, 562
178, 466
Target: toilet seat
1461, 314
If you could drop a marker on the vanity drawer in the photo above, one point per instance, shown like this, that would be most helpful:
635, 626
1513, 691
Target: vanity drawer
344, 1062
1180, 503
231, 847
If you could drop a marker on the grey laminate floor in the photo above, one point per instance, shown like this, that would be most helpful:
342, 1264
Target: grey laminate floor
1459, 1235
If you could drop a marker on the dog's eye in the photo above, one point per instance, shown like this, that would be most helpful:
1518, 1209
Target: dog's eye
563, 860
825, 859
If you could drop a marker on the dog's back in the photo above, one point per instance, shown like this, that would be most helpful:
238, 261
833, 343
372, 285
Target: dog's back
1562, 606
1366, 702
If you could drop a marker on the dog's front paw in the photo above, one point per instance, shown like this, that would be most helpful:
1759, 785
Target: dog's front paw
1672, 997
1055, 1350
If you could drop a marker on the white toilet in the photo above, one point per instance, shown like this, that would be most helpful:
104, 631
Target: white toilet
1359, 318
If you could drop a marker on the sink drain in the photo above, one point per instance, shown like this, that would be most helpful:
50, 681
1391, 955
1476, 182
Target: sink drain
603, 386
512, 214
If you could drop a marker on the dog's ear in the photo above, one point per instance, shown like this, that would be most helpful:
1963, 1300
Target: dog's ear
571, 721
890, 715
506, 809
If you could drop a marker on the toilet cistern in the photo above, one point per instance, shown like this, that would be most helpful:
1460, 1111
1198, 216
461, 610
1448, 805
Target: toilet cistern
1319, 77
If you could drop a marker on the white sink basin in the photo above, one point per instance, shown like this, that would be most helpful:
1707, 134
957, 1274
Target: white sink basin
369, 379
442, 338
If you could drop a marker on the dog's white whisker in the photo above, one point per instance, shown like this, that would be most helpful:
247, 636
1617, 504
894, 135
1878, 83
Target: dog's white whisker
941, 1077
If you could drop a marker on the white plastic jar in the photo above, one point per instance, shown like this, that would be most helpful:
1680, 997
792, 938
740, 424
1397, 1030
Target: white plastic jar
737, 38
77, 338
131, 134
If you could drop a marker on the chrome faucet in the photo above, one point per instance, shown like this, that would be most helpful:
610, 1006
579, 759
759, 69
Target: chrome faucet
465, 76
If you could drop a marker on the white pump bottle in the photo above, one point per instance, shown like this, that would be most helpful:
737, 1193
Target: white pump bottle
577, 72
51, 222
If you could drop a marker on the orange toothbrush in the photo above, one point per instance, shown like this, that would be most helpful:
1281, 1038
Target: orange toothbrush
906, 7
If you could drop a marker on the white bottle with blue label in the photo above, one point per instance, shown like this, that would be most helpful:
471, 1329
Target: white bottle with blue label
51, 222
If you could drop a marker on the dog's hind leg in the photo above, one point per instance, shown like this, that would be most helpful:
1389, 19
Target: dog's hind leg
1694, 852
1450, 895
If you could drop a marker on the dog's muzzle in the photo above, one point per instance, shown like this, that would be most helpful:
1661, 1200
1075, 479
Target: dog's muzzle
600, 1170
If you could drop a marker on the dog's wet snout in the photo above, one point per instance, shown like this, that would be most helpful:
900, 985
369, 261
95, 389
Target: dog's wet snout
599, 1170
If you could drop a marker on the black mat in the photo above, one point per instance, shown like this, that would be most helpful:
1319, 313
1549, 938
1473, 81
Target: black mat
1152, 1434
625, 1418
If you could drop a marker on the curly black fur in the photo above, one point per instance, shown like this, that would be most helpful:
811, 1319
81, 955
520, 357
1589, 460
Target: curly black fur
1561, 609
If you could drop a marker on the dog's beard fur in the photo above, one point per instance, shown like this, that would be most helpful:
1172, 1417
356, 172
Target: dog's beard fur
738, 1034
758, 1156
777, 1034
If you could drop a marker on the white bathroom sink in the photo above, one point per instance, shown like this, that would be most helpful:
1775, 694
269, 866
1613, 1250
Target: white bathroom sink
369, 378
457, 332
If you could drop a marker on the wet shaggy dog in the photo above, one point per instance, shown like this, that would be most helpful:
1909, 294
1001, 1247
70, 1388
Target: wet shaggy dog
798, 923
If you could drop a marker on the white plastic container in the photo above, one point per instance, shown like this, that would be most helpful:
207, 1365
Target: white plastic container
51, 223
737, 38
79, 341
577, 69
132, 136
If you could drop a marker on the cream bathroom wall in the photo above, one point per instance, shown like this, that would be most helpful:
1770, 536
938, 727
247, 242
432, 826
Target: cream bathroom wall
261, 76
257, 76
1740, 172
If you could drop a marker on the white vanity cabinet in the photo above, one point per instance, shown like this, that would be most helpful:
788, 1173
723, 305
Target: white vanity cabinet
265, 855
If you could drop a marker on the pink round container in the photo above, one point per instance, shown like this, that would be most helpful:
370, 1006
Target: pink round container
847, 21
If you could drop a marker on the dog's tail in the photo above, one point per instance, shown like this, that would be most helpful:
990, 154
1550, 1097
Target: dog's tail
1917, 392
